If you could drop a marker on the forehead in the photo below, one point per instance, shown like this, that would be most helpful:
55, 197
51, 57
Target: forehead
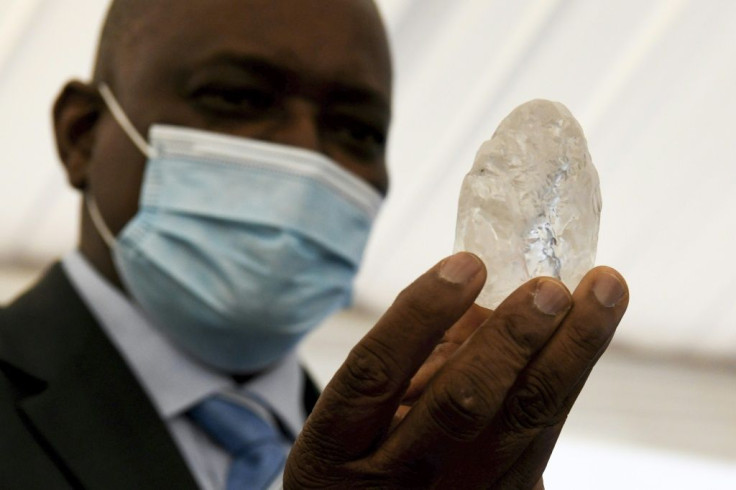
329, 40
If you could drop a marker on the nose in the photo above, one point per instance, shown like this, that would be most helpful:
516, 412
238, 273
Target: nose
298, 126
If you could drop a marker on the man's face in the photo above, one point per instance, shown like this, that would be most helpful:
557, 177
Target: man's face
309, 73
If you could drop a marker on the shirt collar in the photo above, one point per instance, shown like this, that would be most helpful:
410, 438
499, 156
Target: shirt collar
173, 380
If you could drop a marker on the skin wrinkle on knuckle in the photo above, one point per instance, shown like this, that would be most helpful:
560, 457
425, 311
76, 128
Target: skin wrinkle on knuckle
535, 406
462, 409
373, 372
582, 347
590, 330
520, 330
549, 387
297, 476
322, 447
303, 475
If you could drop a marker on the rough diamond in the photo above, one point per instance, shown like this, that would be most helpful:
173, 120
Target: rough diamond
530, 206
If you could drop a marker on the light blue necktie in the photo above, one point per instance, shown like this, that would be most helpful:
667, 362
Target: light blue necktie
254, 445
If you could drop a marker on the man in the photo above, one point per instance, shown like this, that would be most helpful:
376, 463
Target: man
197, 274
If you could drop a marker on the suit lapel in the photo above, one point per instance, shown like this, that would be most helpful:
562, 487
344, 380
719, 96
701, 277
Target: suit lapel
93, 418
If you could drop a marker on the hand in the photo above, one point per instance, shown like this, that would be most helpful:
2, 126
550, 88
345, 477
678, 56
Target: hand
453, 338
489, 416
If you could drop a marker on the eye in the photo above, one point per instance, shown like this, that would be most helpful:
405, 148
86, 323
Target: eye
366, 140
242, 101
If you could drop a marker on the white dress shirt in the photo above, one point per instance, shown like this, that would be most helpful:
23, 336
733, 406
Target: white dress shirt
175, 382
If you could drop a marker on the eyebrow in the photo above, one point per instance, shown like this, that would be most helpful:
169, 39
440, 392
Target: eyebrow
336, 91
354, 94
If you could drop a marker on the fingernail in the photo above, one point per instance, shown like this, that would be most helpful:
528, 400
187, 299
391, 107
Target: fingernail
460, 268
608, 289
551, 297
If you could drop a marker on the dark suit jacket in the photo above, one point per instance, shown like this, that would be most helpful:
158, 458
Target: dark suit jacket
71, 413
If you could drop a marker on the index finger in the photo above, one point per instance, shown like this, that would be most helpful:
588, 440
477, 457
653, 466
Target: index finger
453, 338
358, 404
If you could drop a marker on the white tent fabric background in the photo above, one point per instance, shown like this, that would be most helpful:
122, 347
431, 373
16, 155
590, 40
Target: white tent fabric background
651, 81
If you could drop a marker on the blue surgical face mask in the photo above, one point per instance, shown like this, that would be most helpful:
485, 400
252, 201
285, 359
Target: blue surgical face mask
239, 247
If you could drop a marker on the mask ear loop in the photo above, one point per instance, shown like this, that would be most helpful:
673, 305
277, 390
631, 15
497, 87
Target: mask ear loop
122, 119
98, 221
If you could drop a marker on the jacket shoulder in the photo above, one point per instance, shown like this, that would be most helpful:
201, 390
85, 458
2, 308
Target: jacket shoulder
23, 462
43, 323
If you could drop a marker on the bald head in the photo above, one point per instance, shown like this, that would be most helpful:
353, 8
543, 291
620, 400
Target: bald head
125, 21
121, 21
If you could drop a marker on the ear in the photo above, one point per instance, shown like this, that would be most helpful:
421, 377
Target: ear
76, 112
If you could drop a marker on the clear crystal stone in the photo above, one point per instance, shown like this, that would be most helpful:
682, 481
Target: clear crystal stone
531, 204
